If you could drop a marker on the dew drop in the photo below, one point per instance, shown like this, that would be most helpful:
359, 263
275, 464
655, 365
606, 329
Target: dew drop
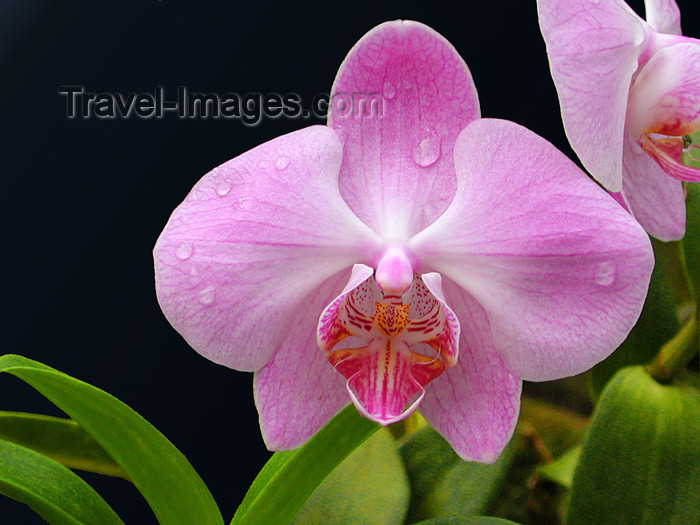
207, 295
281, 163
389, 90
605, 273
223, 188
427, 151
407, 83
184, 251
263, 165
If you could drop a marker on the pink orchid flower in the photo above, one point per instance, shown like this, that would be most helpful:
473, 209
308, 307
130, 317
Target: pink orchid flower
436, 258
629, 91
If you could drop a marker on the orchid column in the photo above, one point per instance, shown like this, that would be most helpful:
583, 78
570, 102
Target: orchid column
418, 257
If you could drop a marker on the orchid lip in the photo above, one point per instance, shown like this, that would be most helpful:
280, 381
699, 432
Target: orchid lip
388, 371
668, 153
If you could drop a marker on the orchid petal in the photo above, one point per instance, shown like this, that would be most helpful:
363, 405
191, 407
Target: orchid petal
559, 267
475, 404
663, 16
593, 50
665, 95
653, 198
297, 391
251, 240
398, 173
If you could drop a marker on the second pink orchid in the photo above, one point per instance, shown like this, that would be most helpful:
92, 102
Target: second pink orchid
629, 91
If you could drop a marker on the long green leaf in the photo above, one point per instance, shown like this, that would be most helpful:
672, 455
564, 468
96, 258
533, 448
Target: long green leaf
50, 489
59, 439
170, 485
370, 487
640, 463
289, 478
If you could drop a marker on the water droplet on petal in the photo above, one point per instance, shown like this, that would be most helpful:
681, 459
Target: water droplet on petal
207, 295
427, 151
263, 165
184, 251
407, 83
605, 273
223, 188
389, 91
281, 163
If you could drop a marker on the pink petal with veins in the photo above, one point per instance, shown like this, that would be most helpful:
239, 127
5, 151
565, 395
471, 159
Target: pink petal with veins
397, 173
251, 240
593, 50
559, 267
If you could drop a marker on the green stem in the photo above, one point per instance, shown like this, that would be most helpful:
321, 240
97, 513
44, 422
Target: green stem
675, 355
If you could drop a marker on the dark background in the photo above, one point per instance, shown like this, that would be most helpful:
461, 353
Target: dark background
83, 201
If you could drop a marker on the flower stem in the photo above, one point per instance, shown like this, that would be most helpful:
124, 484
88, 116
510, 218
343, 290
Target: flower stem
675, 355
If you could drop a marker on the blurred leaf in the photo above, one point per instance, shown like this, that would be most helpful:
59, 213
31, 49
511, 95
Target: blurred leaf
561, 470
370, 487
162, 474
640, 463
657, 324
50, 489
442, 484
290, 477
558, 427
59, 439
470, 520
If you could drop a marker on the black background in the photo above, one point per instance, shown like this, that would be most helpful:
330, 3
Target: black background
83, 201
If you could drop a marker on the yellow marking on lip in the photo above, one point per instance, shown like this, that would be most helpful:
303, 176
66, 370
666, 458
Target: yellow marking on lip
391, 319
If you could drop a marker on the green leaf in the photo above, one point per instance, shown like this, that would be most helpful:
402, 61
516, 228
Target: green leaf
50, 489
657, 324
370, 487
640, 462
161, 473
562, 469
442, 484
290, 477
471, 520
59, 439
